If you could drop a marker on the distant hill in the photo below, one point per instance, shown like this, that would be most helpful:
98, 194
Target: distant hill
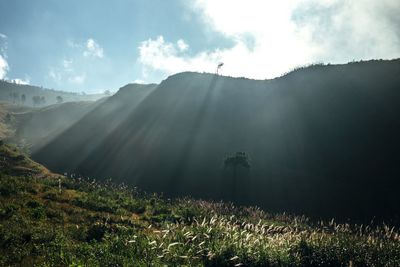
38, 126
322, 140
29, 95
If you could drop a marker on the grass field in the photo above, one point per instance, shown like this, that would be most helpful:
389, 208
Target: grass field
51, 220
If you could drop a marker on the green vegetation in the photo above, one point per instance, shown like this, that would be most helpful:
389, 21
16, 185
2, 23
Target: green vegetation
7, 119
87, 223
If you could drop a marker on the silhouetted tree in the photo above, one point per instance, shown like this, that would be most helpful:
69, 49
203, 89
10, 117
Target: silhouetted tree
15, 96
42, 100
8, 118
59, 99
36, 100
239, 159
219, 66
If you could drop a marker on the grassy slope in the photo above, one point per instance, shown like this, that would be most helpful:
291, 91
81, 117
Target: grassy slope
7, 120
5, 131
93, 224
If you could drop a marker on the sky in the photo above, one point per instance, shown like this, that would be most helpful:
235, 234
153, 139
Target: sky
96, 45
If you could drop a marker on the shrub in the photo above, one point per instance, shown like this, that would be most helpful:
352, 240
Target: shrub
38, 213
9, 186
50, 196
33, 204
186, 214
137, 207
8, 211
96, 203
96, 232
20, 157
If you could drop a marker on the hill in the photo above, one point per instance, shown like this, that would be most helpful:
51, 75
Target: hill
39, 126
34, 96
28, 126
322, 140
104, 118
7, 122
51, 220
33, 127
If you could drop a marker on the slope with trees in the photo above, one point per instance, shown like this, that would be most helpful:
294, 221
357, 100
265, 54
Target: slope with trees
29, 95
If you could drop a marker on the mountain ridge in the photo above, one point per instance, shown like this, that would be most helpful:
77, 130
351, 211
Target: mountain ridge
310, 135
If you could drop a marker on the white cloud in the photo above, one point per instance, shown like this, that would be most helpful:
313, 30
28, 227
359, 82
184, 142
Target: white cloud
169, 58
278, 44
355, 30
75, 70
284, 34
182, 45
68, 65
77, 79
3, 62
71, 43
3, 67
21, 81
3, 44
66, 72
139, 81
93, 49
55, 75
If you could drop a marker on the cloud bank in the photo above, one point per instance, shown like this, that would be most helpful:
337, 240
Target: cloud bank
273, 37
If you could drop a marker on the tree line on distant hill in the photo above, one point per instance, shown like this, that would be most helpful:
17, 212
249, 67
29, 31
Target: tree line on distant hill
37, 100
23, 94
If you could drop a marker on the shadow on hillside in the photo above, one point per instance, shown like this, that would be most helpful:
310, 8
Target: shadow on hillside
322, 141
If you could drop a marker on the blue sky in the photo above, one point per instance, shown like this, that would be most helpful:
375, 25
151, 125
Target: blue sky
94, 45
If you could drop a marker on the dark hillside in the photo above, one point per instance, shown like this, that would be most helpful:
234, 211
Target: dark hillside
322, 140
